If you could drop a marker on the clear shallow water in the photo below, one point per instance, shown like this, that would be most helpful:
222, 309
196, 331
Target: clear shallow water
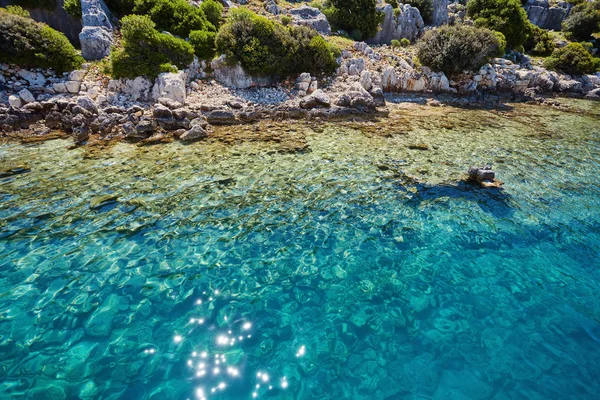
320, 275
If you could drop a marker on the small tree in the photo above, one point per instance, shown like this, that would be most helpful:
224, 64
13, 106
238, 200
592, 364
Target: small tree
358, 17
583, 21
539, 42
573, 59
505, 16
174, 16
453, 49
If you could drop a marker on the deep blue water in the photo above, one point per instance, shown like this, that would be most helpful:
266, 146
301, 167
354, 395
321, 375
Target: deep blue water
238, 272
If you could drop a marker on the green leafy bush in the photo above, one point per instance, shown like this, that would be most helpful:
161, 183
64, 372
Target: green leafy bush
27, 43
264, 47
203, 43
425, 8
73, 8
539, 42
573, 59
393, 3
453, 49
404, 42
505, 16
17, 10
146, 52
213, 11
174, 16
395, 44
583, 21
286, 20
358, 17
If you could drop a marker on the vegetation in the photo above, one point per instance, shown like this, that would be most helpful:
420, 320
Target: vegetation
146, 52
73, 8
573, 59
213, 11
120, 7
505, 16
286, 20
539, 42
203, 43
453, 49
358, 17
174, 16
17, 10
264, 47
583, 21
45, 4
425, 8
27, 43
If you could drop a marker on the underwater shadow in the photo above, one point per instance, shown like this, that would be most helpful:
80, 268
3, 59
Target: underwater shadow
494, 201
479, 101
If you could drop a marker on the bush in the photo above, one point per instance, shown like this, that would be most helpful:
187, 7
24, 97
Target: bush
203, 43
73, 8
27, 43
395, 44
213, 11
17, 10
359, 17
286, 20
174, 16
264, 47
539, 42
425, 8
573, 59
404, 42
505, 16
146, 52
583, 21
453, 49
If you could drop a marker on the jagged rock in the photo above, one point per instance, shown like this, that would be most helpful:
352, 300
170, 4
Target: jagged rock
365, 80
234, 76
408, 24
95, 13
162, 112
593, 94
546, 14
439, 16
272, 7
33, 78
388, 79
357, 97
311, 16
72, 86
87, 104
137, 89
318, 98
14, 101
170, 85
145, 126
195, 133
570, 86
95, 42
221, 117
353, 66
169, 103
26, 96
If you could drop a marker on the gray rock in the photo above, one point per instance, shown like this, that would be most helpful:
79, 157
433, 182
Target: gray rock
95, 42
59, 87
72, 86
272, 7
33, 78
170, 85
162, 112
440, 12
145, 126
311, 16
77, 75
221, 117
317, 98
546, 15
14, 101
482, 173
234, 76
95, 13
26, 96
169, 103
408, 24
87, 104
195, 133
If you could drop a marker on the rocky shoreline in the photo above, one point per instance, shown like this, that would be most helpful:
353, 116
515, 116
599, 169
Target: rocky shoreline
186, 105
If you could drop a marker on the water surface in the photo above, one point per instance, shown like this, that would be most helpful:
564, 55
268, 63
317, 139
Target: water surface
360, 268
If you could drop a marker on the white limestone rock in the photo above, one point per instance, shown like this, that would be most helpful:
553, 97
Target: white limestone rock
170, 85
14, 101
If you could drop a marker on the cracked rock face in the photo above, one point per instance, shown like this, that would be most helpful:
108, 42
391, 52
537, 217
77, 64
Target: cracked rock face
311, 16
546, 15
96, 37
408, 24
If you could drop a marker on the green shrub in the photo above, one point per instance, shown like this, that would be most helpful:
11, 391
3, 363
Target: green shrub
27, 43
393, 3
203, 43
539, 42
395, 44
146, 52
573, 59
404, 42
453, 49
174, 16
583, 21
358, 17
505, 16
73, 8
286, 20
17, 10
264, 47
213, 11
425, 8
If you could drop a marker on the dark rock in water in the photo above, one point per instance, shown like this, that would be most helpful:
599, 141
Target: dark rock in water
99, 202
419, 146
197, 132
485, 176
16, 170
221, 117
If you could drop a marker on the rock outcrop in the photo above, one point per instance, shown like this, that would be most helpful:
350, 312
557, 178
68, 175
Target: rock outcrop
234, 76
546, 14
170, 85
96, 37
311, 16
440, 12
407, 24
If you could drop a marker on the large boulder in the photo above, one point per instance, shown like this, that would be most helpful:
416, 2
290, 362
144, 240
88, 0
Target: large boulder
170, 85
546, 14
316, 99
234, 76
407, 24
311, 16
440, 12
96, 36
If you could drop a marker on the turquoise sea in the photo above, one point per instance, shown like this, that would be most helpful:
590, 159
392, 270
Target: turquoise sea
360, 268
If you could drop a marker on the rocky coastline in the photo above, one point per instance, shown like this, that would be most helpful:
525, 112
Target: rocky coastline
186, 105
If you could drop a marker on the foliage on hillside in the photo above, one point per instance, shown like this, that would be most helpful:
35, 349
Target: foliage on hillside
505, 16
573, 59
359, 18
